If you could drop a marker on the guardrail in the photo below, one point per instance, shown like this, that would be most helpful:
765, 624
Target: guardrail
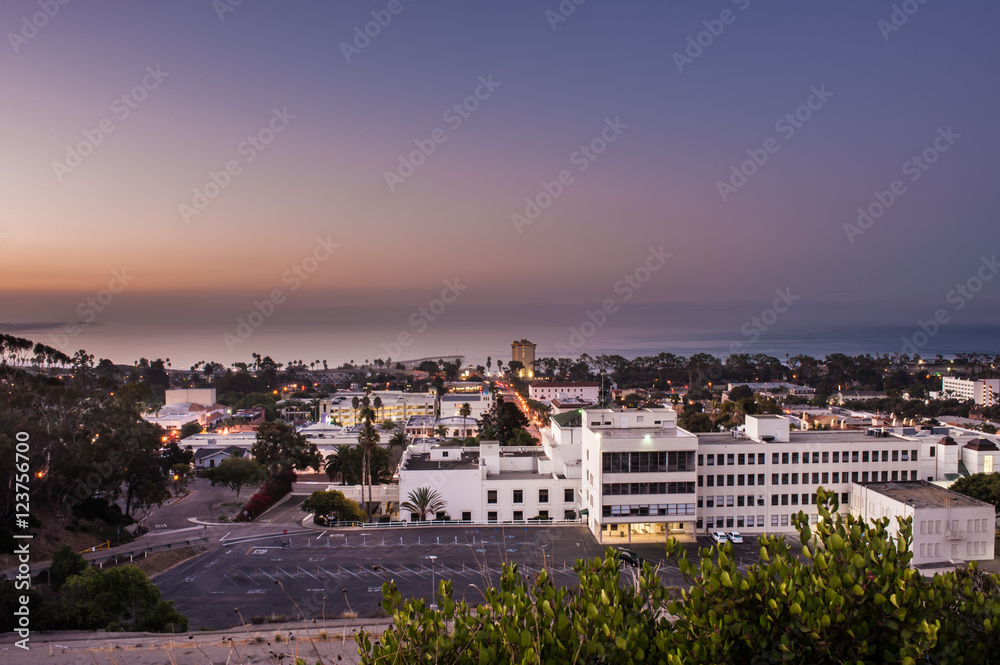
434, 523
120, 556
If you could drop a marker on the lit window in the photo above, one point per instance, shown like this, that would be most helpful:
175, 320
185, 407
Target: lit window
988, 464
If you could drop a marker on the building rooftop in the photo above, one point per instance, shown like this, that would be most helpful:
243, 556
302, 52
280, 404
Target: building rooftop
423, 462
638, 432
830, 437
922, 494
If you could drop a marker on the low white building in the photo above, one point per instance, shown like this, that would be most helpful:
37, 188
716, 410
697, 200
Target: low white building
396, 405
479, 404
948, 527
546, 391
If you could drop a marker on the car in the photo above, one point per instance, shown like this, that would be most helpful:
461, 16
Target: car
629, 558
735, 537
719, 536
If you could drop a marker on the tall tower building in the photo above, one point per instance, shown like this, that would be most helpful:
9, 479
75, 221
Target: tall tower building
523, 351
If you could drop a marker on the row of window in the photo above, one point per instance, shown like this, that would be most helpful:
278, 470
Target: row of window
651, 462
971, 526
519, 515
824, 477
740, 500
971, 549
517, 496
644, 510
748, 521
838, 457
618, 489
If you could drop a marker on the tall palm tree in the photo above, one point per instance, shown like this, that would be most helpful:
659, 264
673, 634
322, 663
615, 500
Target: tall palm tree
465, 411
441, 431
355, 403
423, 500
336, 463
368, 438
489, 363
377, 403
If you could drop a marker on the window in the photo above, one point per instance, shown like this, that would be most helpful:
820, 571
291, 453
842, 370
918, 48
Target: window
826, 457
544, 514
843, 457
815, 479
701, 460
885, 455
518, 515
741, 480
784, 479
711, 481
568, 495
760, 458
784, 458
760, 478
741, 459
760, 520
466, 516
774, 479
701, 502
774, 499
795, 458
729, 522
491, 496
700, 481
805, 458
731, 459
795, 479
739, 522
854, 456
784, 499
854, 476
895, 456
491, 516
932, 452
895, 475
750, 479
885, 476
710, 502
836, 458
739, 501
711, 460
774, 520
784, 520
864, 456
836, 477
774, 458
569, 515
913, 455
815, 458
795, 499
864, 476
543, 496
826, 477
720, 481
913, 474
805, 499
988, 464
518, 497
844, 497
751, 458
760, 499
730, 480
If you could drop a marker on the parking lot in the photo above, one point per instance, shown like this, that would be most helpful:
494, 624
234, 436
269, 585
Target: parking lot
333, 573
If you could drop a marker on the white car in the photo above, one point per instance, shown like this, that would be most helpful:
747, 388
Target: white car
719, 536
735, 537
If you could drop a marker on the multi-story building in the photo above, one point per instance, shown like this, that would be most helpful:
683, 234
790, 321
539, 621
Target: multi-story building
479, 403
985, 392
756, 480
546, 391
423, 427
947, 527
523, 351
396, 405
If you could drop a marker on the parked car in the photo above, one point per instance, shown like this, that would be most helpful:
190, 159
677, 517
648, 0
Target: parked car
719, 536
735, 537
629, 558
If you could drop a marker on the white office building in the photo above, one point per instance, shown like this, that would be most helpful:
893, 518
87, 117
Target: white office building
546, 391
948, 527
396, 405
985, 392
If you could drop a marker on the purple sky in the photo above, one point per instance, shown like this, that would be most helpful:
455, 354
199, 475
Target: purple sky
68, 225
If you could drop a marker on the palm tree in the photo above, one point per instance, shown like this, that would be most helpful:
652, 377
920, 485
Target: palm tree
423, 500
489, 363
336, 462
368, 438
388, 425
441, 431
355, 403
465, 411
377, 403
399, 440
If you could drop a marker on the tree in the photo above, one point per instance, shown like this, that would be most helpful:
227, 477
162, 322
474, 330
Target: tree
422, 501
281, 448
333, 506
189, 429
982, 486
851, 597
441, 430
465, 410
740, 392
122, 598
400, 439
65, 563
237, 473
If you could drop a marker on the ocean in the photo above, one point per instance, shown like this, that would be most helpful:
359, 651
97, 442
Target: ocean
363, 334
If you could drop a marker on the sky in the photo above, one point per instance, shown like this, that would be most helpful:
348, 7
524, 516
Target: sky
119, 120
